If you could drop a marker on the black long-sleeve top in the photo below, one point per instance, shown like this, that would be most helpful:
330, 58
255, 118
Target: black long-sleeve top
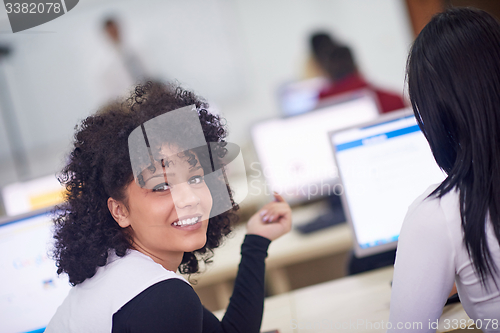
173, 306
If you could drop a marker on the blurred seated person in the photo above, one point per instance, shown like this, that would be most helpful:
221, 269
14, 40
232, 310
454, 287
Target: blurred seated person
336, 62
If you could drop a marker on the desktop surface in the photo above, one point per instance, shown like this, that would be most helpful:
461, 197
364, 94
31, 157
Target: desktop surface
334, 215
359, 303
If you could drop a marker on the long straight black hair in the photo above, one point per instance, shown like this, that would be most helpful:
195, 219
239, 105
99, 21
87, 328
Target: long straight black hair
453, 74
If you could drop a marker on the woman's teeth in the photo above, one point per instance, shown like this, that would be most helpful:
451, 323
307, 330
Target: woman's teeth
185, 222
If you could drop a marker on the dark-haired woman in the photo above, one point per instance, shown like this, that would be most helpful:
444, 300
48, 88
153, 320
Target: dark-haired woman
452, 232
142, 203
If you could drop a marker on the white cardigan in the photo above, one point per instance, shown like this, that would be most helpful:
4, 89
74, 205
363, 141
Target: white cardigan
431, 256
90, 305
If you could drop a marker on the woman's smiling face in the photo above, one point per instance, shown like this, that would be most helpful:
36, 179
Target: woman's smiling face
168, 214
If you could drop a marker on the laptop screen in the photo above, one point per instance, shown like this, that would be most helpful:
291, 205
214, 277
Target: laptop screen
30, 291
383, 167
294, 153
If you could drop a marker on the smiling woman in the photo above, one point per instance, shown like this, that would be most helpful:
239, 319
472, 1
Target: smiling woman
167, 220
144, 200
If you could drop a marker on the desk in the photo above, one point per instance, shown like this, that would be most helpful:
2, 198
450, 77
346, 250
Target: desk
291, 248
359, 303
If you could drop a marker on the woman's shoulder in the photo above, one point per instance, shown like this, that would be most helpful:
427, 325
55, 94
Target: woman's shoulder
433, 213
122, 278
431, 227
429, 201
135, 266
113, 285
171, 303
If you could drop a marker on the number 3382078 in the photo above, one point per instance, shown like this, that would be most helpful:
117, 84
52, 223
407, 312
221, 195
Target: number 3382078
470, 324
32, 8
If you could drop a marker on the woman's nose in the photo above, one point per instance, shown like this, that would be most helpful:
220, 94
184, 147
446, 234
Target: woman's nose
185, 196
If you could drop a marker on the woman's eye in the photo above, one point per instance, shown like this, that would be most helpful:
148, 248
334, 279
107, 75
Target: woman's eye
161, 187
196, 180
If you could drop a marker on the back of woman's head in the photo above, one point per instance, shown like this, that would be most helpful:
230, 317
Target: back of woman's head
453, 74
454, 84
99, 167
334, 59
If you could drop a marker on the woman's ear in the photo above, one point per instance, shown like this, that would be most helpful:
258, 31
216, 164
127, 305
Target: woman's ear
119, 212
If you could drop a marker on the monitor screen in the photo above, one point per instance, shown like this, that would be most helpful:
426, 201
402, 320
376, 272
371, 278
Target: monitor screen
299, 97
31, 290
383, 167
23, 197
294, 153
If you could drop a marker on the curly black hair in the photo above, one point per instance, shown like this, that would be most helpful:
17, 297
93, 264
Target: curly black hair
99, 167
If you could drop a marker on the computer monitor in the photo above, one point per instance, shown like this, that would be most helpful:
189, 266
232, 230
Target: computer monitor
298, 97
383, 166
38, 193
294, 153
30, 289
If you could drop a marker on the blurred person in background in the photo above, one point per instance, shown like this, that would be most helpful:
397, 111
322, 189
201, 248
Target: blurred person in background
120, 66
130, 60
336, 62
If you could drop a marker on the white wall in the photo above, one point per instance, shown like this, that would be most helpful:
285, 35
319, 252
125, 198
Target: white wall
275, 35
233, 52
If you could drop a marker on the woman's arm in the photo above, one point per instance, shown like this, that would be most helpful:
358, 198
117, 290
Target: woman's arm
424, 271
244, 313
